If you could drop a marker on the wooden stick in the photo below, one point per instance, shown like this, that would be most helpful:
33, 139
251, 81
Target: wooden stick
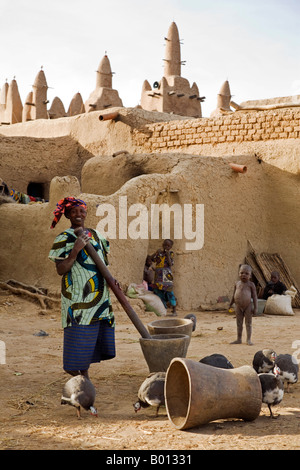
115, 288
42, 299
38, 290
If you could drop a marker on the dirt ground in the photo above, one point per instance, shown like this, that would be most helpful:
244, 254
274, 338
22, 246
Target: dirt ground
32, 417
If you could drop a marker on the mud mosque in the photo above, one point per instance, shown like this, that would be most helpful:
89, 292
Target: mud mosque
172, 94
241, 164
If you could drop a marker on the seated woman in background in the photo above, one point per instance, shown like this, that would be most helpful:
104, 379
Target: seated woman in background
275, 286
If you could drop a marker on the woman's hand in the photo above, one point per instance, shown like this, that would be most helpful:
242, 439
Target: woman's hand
62, 267
81, 241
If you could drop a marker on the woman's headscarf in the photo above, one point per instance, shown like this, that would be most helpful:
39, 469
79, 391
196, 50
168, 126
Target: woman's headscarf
63, 205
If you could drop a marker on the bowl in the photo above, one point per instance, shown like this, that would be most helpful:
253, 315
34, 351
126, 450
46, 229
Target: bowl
169, 326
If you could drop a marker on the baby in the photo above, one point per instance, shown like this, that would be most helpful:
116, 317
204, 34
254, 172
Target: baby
244, 291
149, 272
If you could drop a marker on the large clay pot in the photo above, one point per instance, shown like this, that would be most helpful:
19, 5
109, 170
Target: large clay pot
197, 393
159, 350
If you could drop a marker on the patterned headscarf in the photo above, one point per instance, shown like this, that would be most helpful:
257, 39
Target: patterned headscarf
63, 205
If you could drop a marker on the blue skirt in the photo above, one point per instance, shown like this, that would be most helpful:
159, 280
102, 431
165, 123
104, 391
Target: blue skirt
166, 297
85, 344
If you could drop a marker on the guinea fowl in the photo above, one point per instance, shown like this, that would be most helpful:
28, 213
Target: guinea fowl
272, 388
79, 392
191, 316
288, 369
151, 392
264, 361
217, 360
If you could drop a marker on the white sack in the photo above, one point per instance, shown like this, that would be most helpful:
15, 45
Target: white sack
279, 305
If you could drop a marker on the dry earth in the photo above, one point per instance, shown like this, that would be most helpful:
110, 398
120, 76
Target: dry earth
32, 417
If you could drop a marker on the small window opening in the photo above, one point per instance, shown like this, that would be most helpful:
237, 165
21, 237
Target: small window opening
36, 190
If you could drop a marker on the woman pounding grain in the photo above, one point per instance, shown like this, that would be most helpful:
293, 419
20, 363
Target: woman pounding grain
87, 317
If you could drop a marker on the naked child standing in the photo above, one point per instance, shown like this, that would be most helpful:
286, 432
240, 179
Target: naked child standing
244, 291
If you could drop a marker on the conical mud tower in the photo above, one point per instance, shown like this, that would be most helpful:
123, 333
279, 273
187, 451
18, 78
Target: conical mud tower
103, 96
173, 94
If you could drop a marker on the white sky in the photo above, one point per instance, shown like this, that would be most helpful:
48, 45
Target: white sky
253, 44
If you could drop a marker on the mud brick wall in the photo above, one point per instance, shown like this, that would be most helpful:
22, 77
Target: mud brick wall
237, 127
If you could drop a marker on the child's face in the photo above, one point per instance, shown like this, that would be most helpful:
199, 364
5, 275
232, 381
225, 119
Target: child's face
245, 274
167, 245
274, 278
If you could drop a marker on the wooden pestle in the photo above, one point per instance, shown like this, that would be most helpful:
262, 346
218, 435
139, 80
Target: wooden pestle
115, 288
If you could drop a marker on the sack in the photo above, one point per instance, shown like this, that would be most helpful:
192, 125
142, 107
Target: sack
131, 292
152, 302
279, 305
292, 292
134, 290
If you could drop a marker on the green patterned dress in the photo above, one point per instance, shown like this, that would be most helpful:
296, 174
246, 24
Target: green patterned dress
85, 296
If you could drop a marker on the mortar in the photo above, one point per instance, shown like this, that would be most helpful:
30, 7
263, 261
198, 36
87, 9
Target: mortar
160, 349
169, 326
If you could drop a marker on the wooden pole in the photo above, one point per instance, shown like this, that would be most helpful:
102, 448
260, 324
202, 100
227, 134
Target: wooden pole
115, 288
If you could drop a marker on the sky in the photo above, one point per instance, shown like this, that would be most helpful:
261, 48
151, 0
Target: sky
255, 45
